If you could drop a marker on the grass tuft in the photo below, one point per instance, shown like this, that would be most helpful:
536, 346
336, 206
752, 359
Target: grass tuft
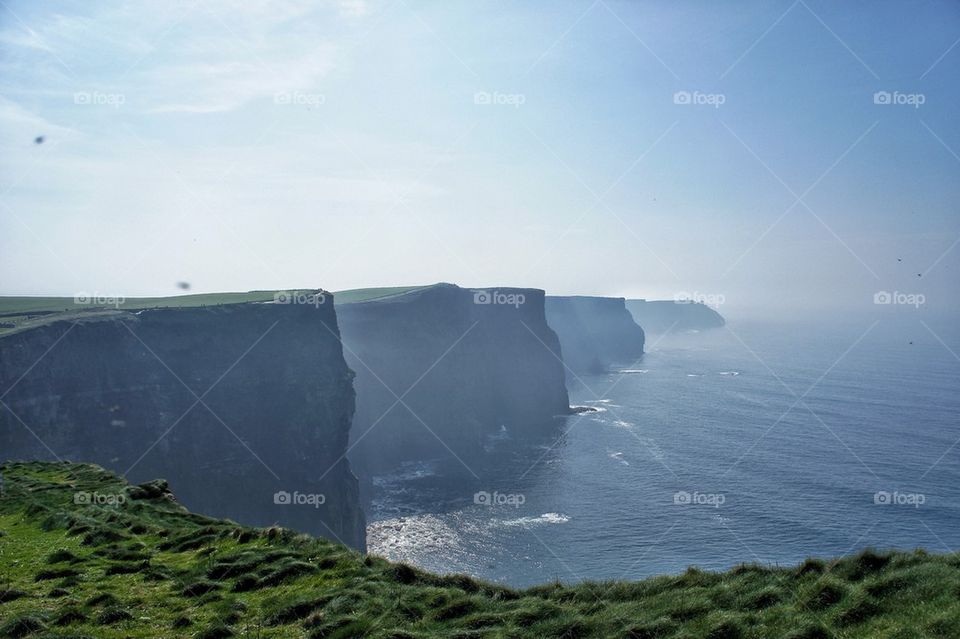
11, 594
112, 615
218, 631
22, 627
56, 573
826, 593
69, 616
60, 556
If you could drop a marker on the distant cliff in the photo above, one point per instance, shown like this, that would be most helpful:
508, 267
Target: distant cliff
594, 332
240, 405
441, 370
661, 316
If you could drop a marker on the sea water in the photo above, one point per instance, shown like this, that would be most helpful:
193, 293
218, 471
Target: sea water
758, 442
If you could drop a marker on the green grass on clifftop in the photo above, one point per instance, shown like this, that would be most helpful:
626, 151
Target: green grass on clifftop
21, 313
14, 305
353, 295
25, 312
148, 568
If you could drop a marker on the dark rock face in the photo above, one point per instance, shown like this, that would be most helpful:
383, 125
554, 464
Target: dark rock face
274, 419
464, 364
594, 332
661, 316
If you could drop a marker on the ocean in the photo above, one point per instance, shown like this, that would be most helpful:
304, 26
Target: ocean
758, 442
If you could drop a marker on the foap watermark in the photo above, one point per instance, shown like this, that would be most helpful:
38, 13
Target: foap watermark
299, 98
98, 299
84, 498
897, 298
485, 296
483, 498
96, 98
896, 498
683, 498
697, 98
311, 298
485, 98
710, 299
916, 100
296, 498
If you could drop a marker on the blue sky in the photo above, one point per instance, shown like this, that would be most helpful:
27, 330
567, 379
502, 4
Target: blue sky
244, 145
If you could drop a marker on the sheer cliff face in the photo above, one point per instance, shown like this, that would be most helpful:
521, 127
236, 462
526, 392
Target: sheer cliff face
594, 332
662, 316
237, 405
463, 366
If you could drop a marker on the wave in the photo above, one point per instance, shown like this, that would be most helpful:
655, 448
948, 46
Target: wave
618, 455
542, 520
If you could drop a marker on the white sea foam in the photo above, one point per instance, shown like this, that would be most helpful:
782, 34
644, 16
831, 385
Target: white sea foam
542, 520
396, 538
618, 455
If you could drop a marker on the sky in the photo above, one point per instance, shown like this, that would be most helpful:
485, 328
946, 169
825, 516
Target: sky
789, 155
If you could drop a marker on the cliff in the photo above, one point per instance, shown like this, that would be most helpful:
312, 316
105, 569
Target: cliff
238, 404
465, 365
594, 332
661, 316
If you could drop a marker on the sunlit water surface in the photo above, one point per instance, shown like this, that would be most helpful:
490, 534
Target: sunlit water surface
753, 443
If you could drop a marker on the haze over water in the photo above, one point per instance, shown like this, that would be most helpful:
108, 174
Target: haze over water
861, 459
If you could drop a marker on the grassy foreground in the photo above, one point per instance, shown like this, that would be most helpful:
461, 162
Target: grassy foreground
148, 568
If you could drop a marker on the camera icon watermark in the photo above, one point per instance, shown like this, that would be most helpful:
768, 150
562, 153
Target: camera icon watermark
485, 98
296, 498
98, 299
84, 498
710, 299
299, 98
697, 98
916, 100
684, 498
494, 297
896, 298
311, 298
896, 498
96, 98
484, 498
